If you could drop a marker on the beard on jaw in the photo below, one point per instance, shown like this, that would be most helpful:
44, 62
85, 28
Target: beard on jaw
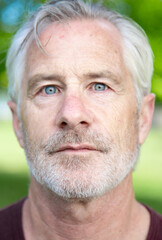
75, 176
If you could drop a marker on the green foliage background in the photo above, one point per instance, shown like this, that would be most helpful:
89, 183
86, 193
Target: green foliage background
14, 177
148, 13
13, 171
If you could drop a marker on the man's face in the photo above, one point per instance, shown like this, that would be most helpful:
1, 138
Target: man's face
78, 110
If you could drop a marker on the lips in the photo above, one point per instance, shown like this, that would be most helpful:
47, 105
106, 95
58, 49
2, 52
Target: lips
76, 148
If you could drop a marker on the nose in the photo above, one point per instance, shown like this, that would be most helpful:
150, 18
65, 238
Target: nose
73, 113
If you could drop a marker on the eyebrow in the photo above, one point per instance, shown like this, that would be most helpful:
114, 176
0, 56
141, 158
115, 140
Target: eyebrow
104, 74
36, 79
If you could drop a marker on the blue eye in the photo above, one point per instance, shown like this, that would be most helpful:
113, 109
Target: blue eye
50, 90
100, 87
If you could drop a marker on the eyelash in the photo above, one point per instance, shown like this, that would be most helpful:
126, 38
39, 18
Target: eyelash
101, 85
42, 90
51, 86
92, 87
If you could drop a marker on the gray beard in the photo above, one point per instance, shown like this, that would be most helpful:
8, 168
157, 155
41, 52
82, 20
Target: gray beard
79, 176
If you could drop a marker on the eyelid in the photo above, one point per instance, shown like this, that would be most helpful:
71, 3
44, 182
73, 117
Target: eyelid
102, 83
42, 89
48, 86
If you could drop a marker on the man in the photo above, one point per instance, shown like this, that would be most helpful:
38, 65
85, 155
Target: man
79, 84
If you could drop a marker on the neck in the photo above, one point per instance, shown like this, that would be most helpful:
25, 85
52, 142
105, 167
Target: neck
107, 217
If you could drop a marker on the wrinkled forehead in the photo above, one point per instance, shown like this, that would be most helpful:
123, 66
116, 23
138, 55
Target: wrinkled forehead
78, 47
79, 30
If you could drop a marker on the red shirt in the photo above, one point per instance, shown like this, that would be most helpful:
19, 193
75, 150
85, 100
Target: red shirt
11, 223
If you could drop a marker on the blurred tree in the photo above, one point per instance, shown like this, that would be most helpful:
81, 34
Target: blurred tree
148, 13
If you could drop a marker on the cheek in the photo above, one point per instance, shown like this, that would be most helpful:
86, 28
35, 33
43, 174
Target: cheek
35, 122
110, 115
120, 122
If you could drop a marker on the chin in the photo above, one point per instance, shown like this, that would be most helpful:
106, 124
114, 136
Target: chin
83, 184
82, 177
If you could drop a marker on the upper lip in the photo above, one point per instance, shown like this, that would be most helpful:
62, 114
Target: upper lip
76, 147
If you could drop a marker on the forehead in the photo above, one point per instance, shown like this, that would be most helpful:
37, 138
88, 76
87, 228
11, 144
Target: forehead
78, 45
82, 29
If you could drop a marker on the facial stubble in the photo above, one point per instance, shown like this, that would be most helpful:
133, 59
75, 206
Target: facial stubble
74, 176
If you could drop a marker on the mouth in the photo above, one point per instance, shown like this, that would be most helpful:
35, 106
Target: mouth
76, 149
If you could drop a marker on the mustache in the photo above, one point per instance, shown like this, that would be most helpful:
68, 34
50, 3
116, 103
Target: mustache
94, 139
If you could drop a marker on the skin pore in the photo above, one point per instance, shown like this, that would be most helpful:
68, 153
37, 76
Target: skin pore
81, 87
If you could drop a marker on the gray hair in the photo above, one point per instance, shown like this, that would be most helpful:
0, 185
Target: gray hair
138, 55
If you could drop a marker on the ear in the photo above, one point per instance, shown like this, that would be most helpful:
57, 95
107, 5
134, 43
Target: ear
16, 122
146, 115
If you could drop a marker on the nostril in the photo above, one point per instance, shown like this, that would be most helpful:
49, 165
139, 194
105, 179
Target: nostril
83, 122
63, 124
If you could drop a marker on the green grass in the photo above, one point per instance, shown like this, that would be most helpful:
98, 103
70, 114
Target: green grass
148, 174
14, 178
